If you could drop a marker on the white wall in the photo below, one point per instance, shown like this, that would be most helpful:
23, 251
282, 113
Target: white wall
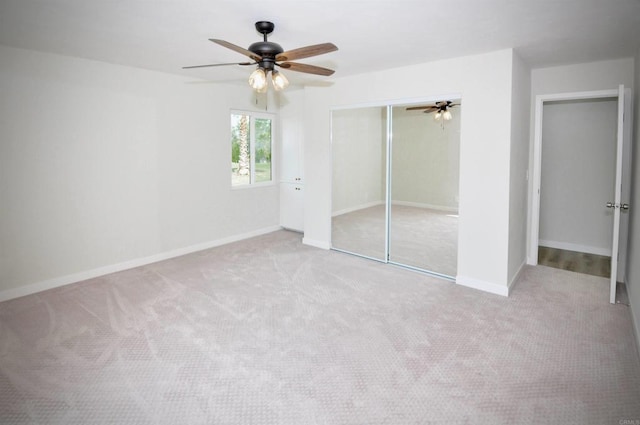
519, 157
578, 175
102, 166
484, 152
359, 145
633, 263
602, 75
426, 159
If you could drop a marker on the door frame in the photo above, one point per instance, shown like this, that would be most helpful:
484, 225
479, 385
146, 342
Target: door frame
532, 257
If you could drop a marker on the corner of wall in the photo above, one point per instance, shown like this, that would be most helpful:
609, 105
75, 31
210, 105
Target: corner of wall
481, 285
518, 164
316, 243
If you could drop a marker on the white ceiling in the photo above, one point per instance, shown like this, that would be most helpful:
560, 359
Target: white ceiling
164, 35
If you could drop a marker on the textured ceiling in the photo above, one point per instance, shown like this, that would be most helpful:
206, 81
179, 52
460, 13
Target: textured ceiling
371, 35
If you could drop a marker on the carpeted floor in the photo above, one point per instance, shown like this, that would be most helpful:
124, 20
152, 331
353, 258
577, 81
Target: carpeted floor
419, 237
269, 331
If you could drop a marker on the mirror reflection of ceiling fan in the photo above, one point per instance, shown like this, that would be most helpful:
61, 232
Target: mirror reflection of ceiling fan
268, 55
441, 108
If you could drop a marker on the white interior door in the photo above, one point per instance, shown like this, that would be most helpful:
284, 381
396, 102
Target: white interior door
616, 204
626, 185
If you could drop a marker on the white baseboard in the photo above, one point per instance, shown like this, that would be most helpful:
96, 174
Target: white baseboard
32, 288
357, 208
575, 247
490, 287
316, 243
425, 206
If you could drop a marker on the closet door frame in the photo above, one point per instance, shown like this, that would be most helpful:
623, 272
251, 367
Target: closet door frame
389, 104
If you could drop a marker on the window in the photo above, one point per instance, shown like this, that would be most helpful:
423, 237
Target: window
251, 148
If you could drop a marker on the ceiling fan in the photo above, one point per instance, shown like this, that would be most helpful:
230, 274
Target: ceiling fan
267, 55
441, 109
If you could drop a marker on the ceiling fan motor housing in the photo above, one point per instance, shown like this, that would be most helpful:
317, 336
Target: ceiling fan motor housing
268, 51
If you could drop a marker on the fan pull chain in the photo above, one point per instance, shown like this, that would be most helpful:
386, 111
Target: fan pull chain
266, 101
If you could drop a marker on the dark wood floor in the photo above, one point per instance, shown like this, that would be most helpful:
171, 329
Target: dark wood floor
580, 262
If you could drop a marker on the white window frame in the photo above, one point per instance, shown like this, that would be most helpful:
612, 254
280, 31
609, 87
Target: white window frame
252, 146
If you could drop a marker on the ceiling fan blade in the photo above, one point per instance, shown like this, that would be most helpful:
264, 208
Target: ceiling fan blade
307, 52
237, 49
416, 108
218, 64
309, 69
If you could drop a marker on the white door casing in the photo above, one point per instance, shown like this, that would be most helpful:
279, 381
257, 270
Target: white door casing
532, 257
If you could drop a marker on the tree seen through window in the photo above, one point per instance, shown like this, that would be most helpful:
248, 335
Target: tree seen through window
251, 149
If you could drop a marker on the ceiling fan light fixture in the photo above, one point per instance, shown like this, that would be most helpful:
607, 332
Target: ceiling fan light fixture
279, 81
438, 115
258, 80
447, 115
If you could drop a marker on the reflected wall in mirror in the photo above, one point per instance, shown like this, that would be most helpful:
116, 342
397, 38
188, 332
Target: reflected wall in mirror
359, 187
423, 222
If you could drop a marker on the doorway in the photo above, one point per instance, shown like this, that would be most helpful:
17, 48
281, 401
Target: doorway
580, 182
577, 178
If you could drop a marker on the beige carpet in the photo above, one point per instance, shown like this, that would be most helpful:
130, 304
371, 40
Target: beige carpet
419, 237
269, 331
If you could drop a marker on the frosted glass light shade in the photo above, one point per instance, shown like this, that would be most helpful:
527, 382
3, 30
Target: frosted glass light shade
447, 115
280, 82
258, 80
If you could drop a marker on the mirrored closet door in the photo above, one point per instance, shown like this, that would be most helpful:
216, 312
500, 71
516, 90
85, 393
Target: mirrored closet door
395, 184
423, 224
359, 192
